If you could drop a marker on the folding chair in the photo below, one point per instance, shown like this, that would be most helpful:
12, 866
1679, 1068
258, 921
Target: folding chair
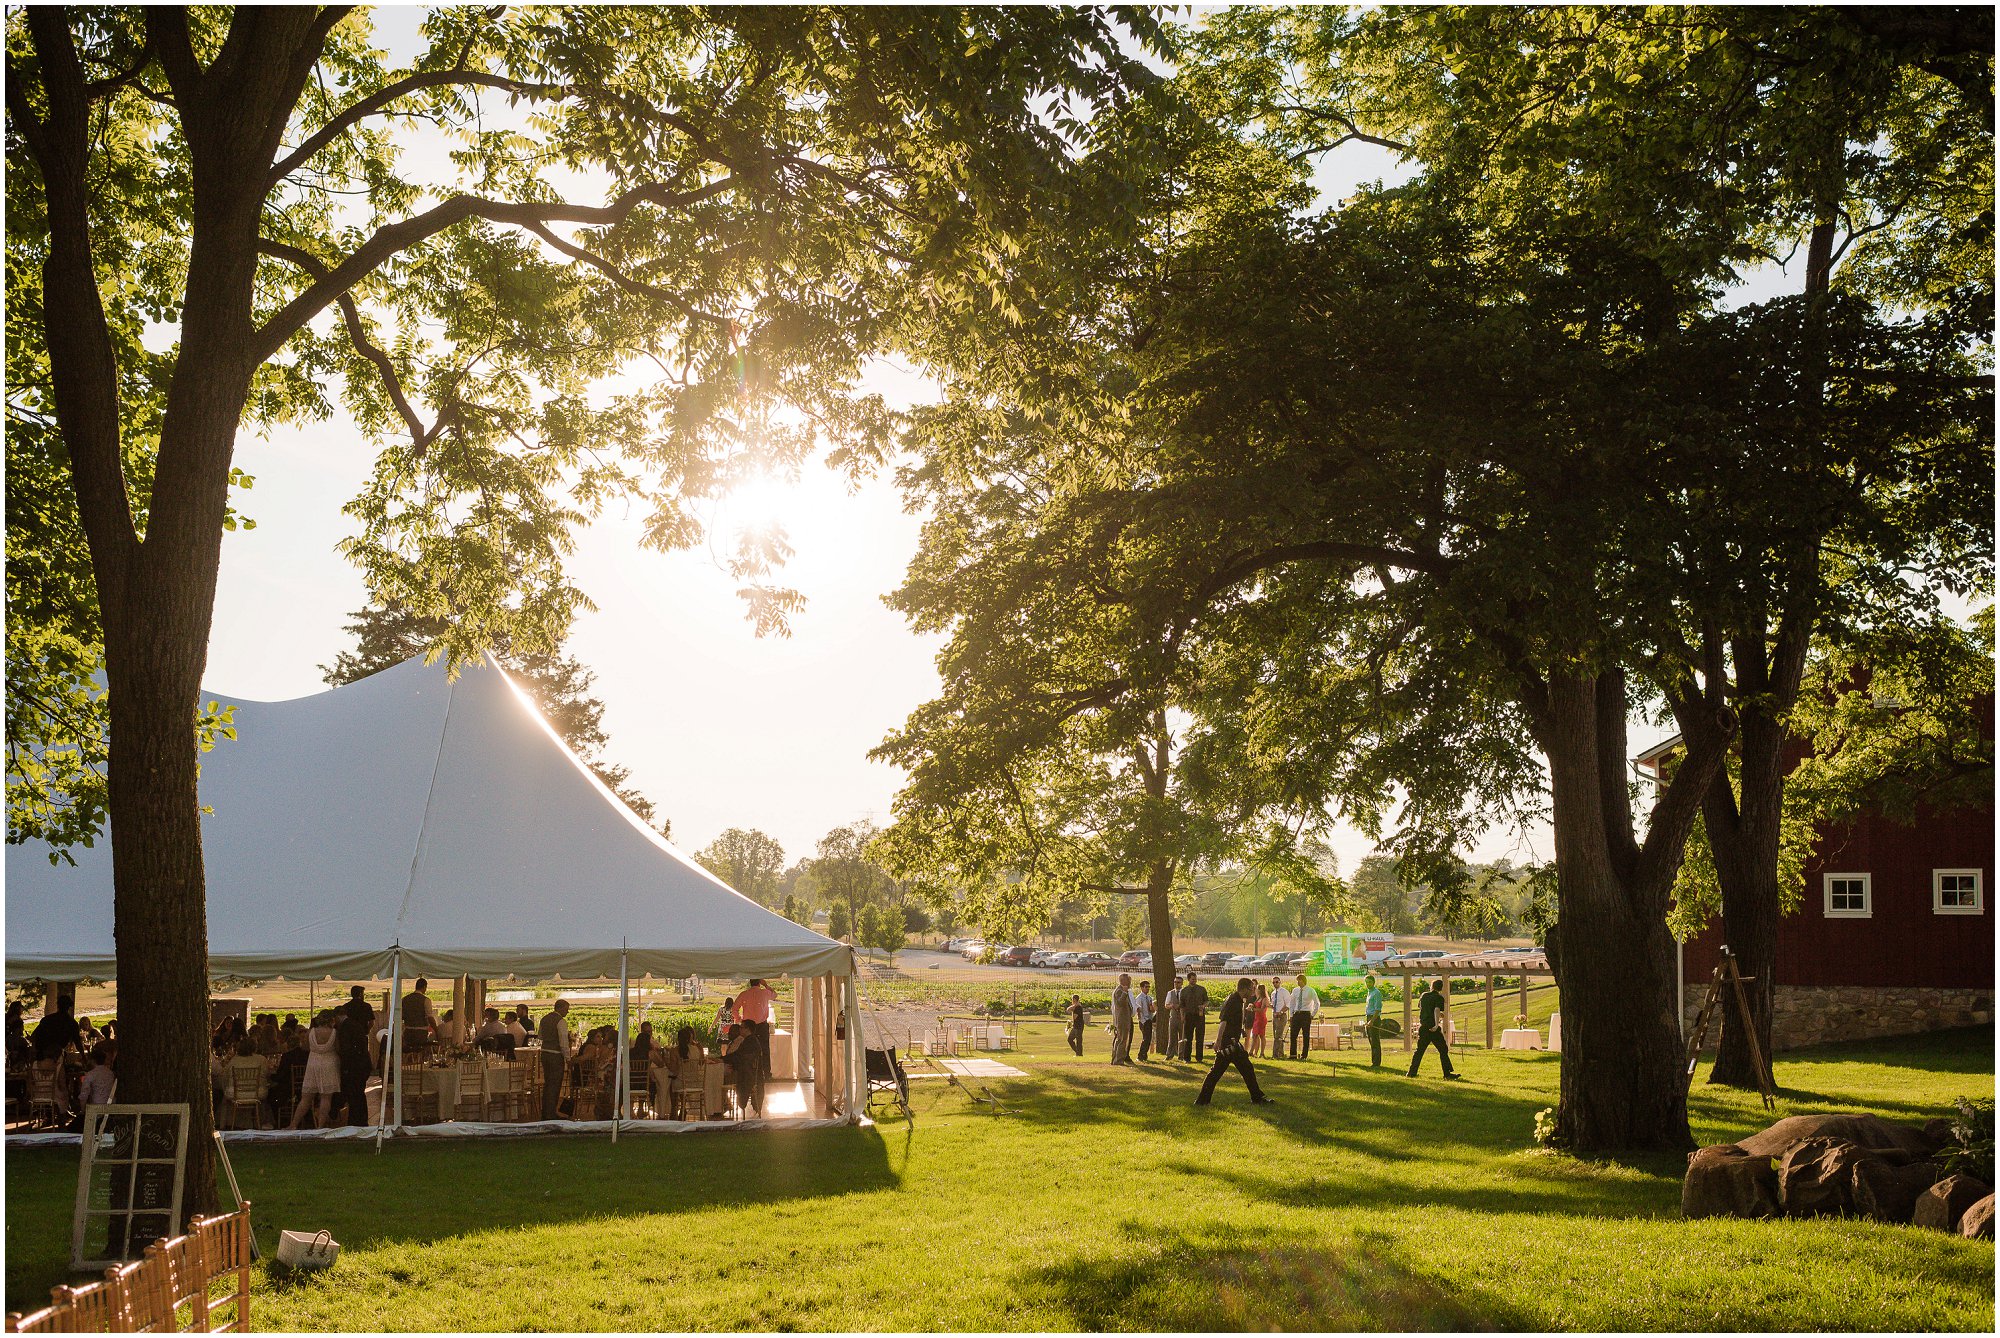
472, 1089
245, 1090
887, 1081
45, 1093
421, 1103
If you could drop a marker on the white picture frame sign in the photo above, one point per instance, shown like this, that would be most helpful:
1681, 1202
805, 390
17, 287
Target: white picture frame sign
128, 1182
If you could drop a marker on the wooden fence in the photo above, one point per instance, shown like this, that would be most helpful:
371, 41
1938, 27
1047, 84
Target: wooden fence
171, 1290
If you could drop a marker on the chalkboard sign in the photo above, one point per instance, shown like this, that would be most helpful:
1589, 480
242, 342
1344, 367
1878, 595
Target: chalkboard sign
128, 1186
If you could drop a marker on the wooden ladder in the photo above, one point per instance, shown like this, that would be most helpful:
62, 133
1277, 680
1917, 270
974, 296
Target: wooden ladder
1726, 973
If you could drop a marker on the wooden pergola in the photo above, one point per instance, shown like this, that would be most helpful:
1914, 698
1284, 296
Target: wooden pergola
1488, 964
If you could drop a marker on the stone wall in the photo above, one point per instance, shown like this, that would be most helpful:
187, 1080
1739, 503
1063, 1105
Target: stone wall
1817, 1014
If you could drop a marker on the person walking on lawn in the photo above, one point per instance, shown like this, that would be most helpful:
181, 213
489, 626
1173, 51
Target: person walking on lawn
1076, 1024
1229, 1046
1371, 1022
1431, 1031
1121, 1021
1194, 1020
1142, 1018
1305, 1007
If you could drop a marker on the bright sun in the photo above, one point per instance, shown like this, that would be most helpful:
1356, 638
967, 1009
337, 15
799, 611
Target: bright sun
761, 501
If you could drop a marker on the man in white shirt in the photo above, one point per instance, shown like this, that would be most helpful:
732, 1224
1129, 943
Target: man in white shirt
1281, 1008
98, 1084
1142, 1018
1172, 1004
1305, 1007
493, 1035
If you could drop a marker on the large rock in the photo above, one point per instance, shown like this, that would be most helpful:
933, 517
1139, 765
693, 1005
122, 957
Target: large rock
1833, 1176
1816, 1176
1868, 1131
1726, 1181
1978, 1220
1888, 1192
1942, 1205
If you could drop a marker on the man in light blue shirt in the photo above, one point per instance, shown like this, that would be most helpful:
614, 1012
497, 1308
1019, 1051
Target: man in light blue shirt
1372, 1023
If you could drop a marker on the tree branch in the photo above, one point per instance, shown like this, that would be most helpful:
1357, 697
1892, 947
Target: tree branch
83, 364
402, 88
357, 334
98, 88
625, 281
395, 238
167, 34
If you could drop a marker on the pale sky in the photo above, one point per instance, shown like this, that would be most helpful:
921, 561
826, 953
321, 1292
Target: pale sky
719, 727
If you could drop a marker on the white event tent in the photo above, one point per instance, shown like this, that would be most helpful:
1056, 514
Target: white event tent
412, 824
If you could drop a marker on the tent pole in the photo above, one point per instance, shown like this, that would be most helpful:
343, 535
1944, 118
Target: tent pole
392, 1049
624, 1043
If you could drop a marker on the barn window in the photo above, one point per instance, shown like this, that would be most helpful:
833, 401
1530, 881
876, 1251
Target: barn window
1847, 896
1956, 891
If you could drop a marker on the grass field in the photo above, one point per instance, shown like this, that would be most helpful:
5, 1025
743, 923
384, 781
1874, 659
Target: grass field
1100, 1200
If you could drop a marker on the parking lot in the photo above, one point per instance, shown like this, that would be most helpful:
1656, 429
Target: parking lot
912, 961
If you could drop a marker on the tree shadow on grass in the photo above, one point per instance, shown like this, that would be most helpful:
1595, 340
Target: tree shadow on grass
1210, 1284
1309, 1105
1549, 1184
421, 1191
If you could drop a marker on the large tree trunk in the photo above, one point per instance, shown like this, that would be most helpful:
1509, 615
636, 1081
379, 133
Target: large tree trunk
157, 593
1746, 828
1743, 837
153, 666
1623, 1085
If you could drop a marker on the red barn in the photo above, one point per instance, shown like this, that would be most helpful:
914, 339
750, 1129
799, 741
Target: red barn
1893, 935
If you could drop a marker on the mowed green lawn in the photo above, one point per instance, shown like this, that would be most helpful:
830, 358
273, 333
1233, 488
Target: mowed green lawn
1101, 1199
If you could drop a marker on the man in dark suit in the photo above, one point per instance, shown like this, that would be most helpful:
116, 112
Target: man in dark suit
1432, 1032
1229, 1046
358, 1007
416, 1010
1194, 1019
350, 1043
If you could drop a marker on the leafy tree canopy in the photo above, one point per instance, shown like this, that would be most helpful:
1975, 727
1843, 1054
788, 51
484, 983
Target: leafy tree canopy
748, 861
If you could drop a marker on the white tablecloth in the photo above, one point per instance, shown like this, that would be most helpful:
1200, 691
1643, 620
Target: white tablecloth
1520, 1038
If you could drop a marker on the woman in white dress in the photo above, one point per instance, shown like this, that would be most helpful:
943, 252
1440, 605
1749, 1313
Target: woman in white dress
322, 1078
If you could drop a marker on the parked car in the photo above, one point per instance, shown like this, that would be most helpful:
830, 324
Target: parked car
1186, 960
1043, 957
1018, 956
1216, 961
1137, 960
971, 950
1060, 960
1241, 964
1095, 961
1421, 954
1271, 961
1301, 961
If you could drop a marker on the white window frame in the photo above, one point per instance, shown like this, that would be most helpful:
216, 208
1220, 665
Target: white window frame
1978, 906
1867, 910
